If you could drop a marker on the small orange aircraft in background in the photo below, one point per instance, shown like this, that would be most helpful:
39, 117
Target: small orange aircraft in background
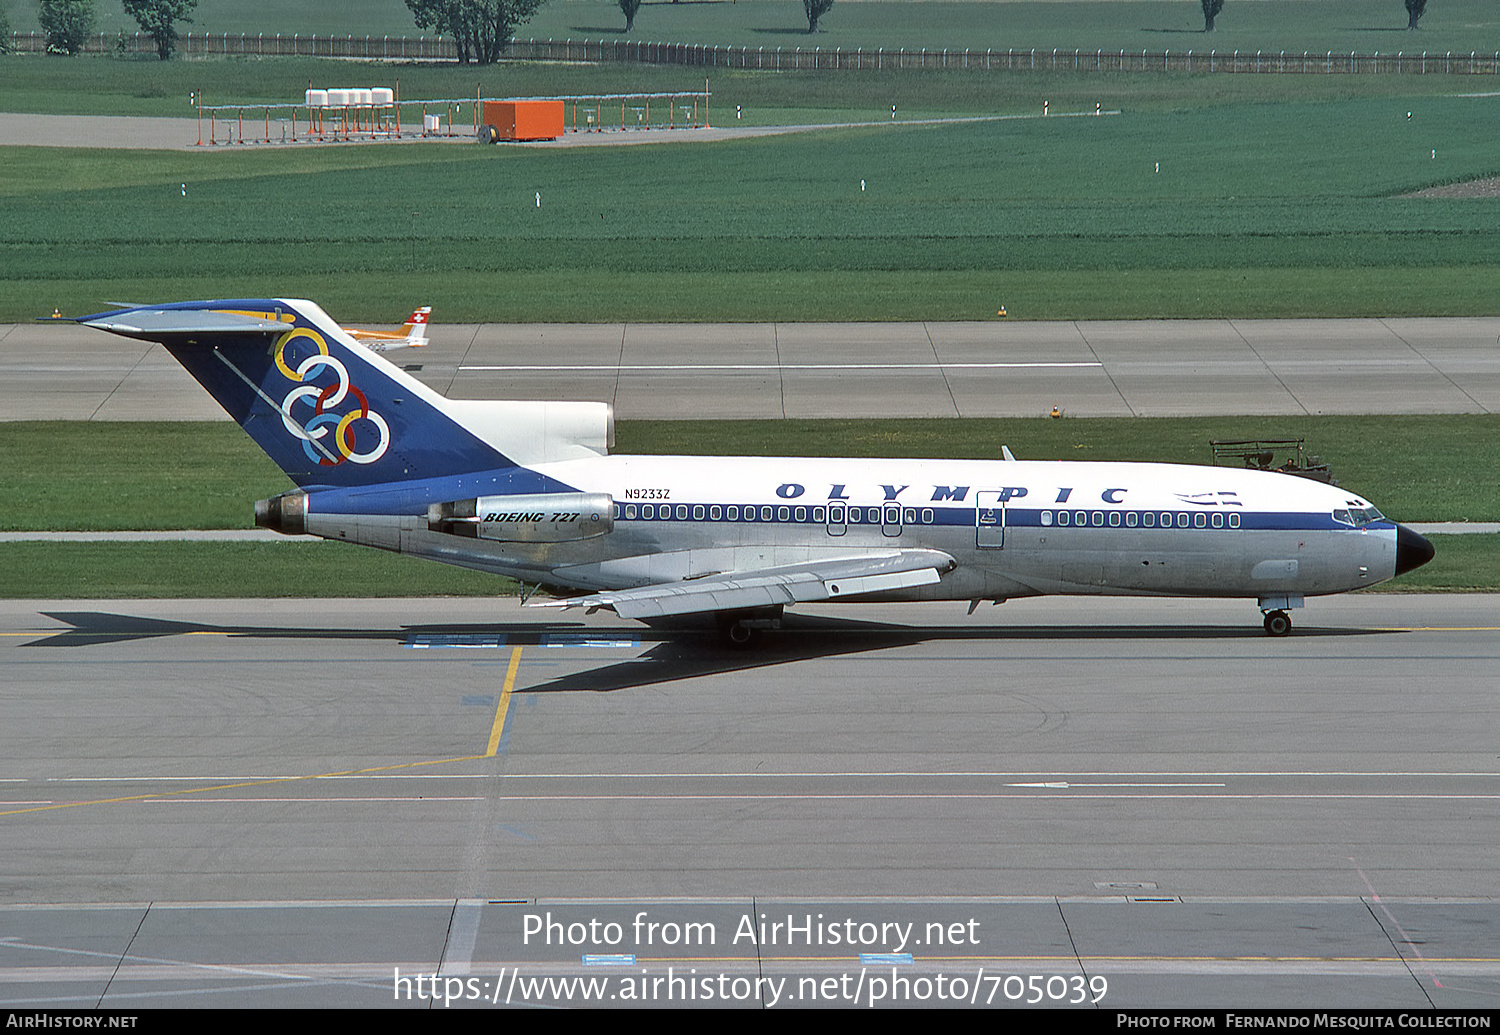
413, 333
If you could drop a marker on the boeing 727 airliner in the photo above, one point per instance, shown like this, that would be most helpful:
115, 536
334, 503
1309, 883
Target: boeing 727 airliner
531, 490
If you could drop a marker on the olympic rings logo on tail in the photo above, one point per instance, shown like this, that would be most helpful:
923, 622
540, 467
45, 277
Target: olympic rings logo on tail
325, 401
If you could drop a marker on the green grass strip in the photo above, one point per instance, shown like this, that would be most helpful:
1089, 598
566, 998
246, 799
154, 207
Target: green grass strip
32, 570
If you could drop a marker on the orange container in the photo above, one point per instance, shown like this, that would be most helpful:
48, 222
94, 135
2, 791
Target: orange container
524, 120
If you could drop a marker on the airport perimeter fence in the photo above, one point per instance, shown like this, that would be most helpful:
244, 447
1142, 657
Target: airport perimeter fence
434, 48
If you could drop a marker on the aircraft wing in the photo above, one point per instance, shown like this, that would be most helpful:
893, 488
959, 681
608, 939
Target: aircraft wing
824, 578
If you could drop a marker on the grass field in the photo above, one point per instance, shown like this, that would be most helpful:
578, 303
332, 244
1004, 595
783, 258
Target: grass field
1139, 215
1247, 25
107, 86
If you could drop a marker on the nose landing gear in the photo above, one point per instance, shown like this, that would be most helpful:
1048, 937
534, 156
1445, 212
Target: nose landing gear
1278, 623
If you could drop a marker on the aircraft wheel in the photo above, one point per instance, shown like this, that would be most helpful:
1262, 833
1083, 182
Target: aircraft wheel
739, 636
1278, 623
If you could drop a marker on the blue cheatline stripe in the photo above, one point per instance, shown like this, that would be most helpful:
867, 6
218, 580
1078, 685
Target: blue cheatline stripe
1232, 518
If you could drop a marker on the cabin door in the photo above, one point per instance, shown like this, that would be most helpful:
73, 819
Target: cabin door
989, 520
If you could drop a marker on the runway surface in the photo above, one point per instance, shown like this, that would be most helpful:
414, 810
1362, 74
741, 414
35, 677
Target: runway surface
979, 369
256, 802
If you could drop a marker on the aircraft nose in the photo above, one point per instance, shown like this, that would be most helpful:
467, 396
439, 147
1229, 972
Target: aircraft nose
1412, 550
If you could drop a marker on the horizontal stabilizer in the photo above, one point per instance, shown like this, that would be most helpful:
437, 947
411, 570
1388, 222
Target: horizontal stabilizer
152, 324
827, 578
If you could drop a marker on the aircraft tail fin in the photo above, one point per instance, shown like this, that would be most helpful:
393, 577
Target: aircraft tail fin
414, 330
333, 414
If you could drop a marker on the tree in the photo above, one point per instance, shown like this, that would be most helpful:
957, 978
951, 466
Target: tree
66, 24
815, 9
629, 7
1414, 10
157, 19
1211, 8
479, 28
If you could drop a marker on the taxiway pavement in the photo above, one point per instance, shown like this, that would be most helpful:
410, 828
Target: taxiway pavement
288, 799
767, 371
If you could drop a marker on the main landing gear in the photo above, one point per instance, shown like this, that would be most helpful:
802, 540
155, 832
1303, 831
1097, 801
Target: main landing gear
742, 630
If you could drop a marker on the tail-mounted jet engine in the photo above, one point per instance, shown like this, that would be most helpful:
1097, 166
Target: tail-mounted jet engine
554, 517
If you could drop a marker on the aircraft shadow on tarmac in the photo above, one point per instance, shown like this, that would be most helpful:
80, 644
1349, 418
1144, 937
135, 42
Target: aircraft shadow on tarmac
679, 649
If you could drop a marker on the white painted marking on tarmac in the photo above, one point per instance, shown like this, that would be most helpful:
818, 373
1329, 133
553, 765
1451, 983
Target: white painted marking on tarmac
461, 941
1063, 785
854, 774
941, 796
456, 641
718, 367
589, 640
419, 799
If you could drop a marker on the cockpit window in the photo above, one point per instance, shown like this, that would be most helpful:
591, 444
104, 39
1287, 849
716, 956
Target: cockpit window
1359, 517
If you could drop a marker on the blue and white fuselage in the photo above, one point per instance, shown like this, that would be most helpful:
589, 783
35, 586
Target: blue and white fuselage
530, 490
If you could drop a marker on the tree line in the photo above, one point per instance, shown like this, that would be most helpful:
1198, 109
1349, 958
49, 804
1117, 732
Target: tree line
480, 29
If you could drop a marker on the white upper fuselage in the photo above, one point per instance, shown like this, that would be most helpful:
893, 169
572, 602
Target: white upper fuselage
1014, 528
